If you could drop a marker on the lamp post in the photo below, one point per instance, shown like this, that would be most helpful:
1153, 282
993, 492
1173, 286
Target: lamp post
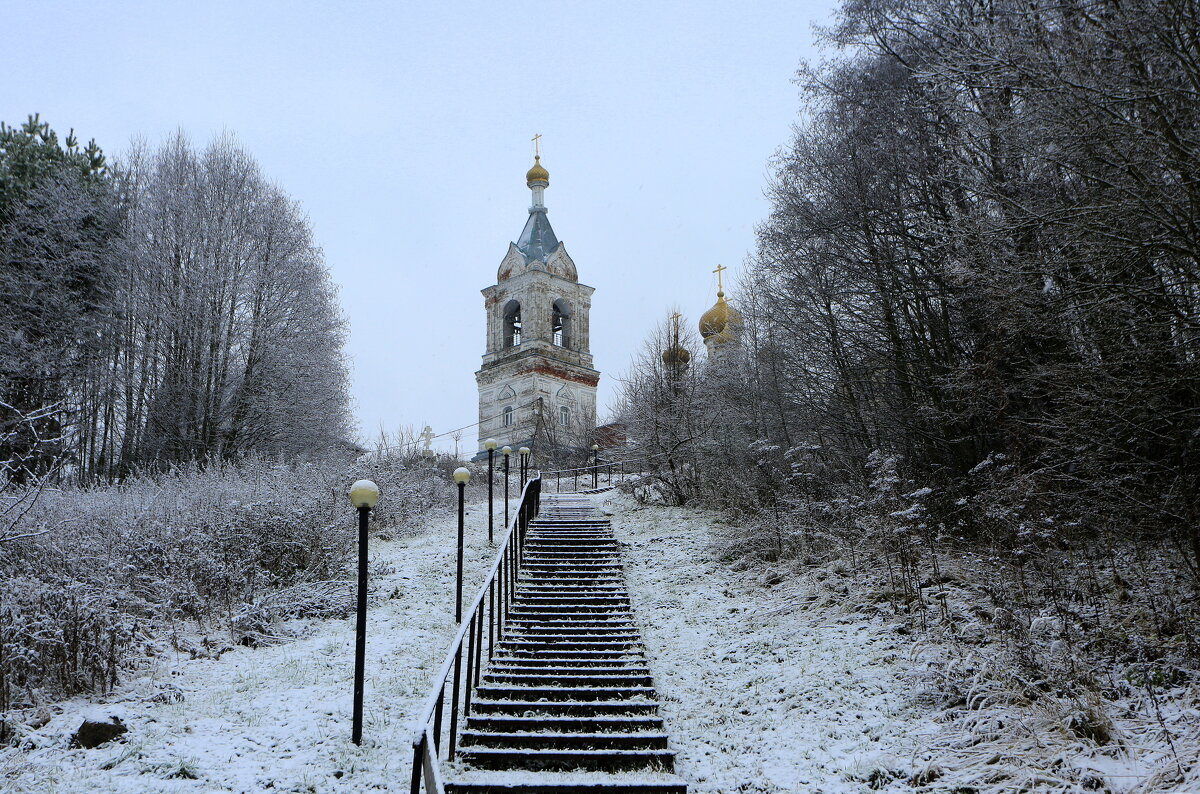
461, 478
524, 464
490, 446
363, 495
507, 450
595, 465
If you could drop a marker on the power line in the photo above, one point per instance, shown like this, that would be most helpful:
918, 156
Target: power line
464, 427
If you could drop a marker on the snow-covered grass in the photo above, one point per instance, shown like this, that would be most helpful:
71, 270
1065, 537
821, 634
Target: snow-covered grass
789, 677
760, 693
774, 678
278, 717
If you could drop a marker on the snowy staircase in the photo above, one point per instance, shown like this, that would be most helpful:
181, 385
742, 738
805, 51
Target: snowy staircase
566, 704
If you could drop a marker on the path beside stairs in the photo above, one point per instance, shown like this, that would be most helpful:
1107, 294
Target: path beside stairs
567, 704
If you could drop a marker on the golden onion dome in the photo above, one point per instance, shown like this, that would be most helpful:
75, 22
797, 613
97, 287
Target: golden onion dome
719, 319
677, 355
537, 173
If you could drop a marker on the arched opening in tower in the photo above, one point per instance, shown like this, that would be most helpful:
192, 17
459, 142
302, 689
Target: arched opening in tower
512, 324
560, 323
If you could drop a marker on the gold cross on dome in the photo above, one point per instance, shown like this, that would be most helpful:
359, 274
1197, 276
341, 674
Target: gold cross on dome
536, 149
718, 271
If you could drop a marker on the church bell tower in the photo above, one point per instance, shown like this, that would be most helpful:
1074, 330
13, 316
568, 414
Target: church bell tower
537, 387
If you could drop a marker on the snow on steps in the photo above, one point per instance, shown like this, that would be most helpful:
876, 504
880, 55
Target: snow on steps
568, 688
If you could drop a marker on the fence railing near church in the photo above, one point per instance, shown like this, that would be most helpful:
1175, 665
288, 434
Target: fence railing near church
595, 475
436, 736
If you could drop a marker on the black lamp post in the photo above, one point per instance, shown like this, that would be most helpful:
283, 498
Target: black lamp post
461, 477
595, 466
524, 465
507, 450
363, 495
490, 446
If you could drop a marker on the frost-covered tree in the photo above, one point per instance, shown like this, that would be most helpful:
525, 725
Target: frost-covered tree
60, 238
233, 331
173, 308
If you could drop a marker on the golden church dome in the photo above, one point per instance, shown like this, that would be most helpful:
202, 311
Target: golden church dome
537, 173
677, 355
719, 320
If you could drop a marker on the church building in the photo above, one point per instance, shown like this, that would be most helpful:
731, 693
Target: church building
537, 387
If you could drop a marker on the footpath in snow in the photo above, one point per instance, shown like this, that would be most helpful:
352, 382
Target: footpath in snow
277, 718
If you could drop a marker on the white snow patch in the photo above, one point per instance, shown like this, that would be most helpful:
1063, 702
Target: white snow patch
278, 718
761, 693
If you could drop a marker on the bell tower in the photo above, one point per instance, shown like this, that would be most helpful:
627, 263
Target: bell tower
537, 387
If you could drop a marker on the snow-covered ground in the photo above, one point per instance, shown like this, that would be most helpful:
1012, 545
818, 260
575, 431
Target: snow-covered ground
277, 718
771, 682
790, 679
759, 693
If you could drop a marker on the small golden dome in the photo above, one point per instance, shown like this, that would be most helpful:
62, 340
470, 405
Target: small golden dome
677, 355
537, 173
719, 319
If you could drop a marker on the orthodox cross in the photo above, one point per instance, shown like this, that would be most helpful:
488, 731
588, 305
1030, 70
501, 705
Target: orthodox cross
427, 436
536, 150
718, 271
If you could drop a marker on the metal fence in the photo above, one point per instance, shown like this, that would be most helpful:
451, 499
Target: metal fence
437, 735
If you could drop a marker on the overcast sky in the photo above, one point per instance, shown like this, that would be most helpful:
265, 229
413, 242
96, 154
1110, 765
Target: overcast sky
404, 130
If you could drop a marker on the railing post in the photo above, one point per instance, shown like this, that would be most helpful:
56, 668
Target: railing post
454, 702
478, 646
470, 680
500, 595
418, 752
492, 617
437, 721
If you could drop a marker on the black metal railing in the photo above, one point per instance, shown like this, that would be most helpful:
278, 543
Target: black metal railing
590, 475
436, 735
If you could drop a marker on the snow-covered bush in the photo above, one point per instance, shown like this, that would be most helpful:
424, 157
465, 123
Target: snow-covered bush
93, 581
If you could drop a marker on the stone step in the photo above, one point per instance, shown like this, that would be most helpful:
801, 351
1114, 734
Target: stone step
570, 630
550, 740
527, 645
592, 621
587, 662
598, 723
530, 786
550, 580
559, 589
551, 545
571, 600
607, 760
571, 538
574, 642
567, 669
563, 693
588, 611
558, 651
581, 708
574, 560
569, 565
576, 679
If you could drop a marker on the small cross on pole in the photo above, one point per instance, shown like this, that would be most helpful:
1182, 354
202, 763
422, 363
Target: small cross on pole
536, 148
718, 271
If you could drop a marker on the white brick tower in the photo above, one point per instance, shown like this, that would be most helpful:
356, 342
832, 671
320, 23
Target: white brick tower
537, 387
